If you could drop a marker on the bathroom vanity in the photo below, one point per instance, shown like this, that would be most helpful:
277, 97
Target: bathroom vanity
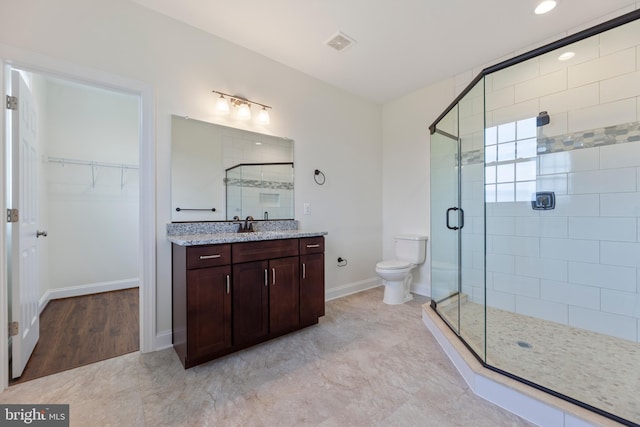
233, 290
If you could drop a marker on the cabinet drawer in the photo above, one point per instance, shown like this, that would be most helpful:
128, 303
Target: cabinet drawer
208, 256
311, 245
266, 249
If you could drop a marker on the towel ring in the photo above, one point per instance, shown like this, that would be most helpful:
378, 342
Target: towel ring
319, 177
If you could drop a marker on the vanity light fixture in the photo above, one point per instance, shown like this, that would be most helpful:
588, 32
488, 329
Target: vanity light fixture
222, 105
263, 117
545, 6
244, 110
243, 106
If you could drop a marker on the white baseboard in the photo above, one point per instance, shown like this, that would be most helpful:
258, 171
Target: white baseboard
91, 288
163, 340
424, 290
351, 288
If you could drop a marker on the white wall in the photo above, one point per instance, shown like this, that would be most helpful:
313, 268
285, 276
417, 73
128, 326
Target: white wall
333, 131
406, 169
92, 226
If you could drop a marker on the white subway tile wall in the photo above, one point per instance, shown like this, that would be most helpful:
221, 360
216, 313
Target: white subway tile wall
541, 86
578, 264
602, 68
574, 98
610, 114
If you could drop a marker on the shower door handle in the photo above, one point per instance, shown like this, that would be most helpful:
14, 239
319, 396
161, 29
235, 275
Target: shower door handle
461, 217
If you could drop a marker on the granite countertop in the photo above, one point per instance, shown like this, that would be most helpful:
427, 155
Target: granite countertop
215, 238
211, 233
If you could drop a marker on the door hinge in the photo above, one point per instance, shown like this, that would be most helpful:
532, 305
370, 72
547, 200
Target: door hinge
14, 328
12, 102
12, 215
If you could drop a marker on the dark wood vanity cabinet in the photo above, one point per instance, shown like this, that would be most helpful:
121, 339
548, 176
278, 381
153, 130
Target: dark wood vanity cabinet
311, 280
201, 302
251, 292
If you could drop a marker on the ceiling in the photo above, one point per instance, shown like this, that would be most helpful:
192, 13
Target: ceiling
401, 46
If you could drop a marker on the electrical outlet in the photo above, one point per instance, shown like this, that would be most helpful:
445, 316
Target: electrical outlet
307, 208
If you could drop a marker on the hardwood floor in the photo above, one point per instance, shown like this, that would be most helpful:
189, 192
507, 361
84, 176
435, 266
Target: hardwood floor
82, 330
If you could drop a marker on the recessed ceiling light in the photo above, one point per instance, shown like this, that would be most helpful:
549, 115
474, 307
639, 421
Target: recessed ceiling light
566, 56
545, 6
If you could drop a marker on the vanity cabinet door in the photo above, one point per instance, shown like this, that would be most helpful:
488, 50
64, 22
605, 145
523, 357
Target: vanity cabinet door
208, 311
250, 302
311, 288
284, 295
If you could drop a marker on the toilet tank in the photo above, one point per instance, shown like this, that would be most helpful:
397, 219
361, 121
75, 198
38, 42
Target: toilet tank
412, 248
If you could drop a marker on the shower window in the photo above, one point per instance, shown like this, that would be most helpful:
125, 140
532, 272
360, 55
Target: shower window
510, 158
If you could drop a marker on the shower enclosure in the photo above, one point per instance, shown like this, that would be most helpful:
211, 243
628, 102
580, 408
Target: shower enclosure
535, 218
261, 190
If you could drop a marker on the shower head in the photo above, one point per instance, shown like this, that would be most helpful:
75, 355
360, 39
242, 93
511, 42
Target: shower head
542, 119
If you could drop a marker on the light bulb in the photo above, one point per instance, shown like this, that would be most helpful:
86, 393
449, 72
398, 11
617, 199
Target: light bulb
263, 117
244, 112
566, 56
222, 105
545, 6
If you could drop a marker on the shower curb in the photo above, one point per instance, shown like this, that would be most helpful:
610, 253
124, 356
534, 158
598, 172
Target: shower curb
533, 405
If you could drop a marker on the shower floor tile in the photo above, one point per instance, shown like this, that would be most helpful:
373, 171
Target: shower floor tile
596, 369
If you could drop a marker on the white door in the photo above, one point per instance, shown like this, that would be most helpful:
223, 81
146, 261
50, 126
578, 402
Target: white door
24, 236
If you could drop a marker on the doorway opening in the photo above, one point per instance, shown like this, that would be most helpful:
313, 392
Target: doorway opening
82, 202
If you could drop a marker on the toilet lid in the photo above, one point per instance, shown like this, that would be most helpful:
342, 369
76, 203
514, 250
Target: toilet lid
394, 264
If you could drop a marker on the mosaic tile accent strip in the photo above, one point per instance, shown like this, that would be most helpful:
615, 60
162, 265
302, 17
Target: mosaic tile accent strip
619, 134
257, 183
472, 157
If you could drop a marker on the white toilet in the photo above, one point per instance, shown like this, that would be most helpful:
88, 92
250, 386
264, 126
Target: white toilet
396, 274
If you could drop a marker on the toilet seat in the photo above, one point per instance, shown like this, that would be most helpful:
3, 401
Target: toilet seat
394, 264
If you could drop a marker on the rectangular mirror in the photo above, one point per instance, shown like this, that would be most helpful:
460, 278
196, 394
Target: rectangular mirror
201, 152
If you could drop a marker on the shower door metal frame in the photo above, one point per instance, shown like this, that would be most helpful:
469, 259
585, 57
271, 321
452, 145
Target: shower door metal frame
457, 229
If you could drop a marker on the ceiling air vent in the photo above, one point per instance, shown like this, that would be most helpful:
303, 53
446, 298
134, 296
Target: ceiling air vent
340, 41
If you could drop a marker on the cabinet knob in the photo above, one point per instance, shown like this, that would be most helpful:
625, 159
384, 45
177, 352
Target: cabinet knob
228, 284
210, 256
313, 246
266, 277
304, 271
273, 270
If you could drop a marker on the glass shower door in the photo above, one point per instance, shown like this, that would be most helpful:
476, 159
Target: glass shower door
457, 219
445, 220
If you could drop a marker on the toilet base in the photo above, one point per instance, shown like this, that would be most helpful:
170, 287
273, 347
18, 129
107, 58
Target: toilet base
397, 292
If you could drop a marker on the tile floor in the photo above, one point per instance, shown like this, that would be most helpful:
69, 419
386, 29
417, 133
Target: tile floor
364, 364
